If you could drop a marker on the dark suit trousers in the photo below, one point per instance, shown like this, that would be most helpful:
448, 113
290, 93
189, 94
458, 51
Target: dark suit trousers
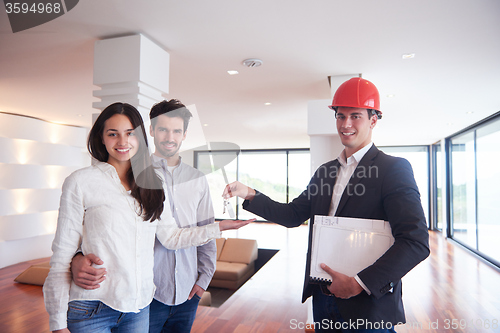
327, 317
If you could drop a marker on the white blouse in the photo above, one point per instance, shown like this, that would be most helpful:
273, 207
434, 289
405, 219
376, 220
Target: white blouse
97, 215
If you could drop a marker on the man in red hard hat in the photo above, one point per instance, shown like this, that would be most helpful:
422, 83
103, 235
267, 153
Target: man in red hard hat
371, 301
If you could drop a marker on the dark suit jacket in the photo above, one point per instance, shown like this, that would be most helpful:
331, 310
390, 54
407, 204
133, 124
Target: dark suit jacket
382, 187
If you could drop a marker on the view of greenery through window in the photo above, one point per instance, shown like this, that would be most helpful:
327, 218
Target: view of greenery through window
265, 171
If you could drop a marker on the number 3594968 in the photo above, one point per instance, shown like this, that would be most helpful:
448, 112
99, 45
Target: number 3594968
35, 8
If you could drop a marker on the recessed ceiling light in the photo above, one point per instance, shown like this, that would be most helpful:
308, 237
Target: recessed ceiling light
79, 115
449, 124
205, 125
267, 103
408, 56
469, 112
232, 72
391, 95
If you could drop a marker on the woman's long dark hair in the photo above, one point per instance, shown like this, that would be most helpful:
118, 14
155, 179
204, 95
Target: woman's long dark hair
146, 186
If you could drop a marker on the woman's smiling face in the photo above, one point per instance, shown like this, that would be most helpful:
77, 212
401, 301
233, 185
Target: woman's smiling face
119, 138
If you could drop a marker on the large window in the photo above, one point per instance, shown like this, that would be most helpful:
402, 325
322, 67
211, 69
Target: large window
488, 189
282, 174
475, 188
220, 169
463, 192
437, 186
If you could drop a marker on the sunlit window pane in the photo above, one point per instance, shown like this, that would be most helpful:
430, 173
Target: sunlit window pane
215, 178
488, 189
269, 172
463, 192
265, 172
438, 173
299, 172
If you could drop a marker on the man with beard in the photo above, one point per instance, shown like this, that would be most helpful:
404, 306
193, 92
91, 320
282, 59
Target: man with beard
181, 276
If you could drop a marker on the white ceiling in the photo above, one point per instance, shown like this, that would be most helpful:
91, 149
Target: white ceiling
46, 71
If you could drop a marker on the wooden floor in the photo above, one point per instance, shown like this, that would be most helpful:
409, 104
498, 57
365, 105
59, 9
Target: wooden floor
452, 291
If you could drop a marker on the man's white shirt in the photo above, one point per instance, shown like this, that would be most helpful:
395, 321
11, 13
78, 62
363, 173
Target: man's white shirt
176, 272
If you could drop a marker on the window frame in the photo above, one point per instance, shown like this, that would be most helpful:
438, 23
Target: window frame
449, 186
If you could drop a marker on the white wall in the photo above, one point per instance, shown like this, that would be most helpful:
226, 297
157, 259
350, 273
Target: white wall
35, 158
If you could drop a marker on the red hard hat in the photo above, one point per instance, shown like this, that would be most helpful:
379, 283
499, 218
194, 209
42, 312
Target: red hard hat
357, 93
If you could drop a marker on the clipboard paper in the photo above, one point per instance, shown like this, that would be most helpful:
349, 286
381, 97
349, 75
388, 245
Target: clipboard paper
347, 245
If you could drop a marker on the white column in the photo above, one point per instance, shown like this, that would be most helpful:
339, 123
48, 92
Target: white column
336, 80
325, 144
132, 70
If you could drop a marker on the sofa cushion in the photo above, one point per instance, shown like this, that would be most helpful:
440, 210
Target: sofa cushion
220, 243
239, 250
231, 271
234, 284
35, 274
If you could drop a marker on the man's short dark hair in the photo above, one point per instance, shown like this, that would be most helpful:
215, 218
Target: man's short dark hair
172, 108
371, 112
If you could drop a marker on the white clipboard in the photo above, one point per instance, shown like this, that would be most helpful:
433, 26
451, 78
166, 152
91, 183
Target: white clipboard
347, 245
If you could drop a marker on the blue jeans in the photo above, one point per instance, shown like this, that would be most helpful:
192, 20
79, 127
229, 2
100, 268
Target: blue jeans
97, 317
328, 318
173, 319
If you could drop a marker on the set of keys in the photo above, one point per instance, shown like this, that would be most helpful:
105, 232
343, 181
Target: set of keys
227, 207
226, 201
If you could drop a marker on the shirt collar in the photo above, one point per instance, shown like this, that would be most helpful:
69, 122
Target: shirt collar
162, 162
354, 158
104, 167
107, 169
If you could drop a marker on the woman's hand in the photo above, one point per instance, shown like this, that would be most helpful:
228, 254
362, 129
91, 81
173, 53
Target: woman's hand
233, 224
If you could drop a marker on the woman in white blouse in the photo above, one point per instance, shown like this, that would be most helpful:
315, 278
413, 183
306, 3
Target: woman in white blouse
114, 208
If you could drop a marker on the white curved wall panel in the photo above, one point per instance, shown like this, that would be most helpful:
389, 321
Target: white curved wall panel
24, 249
21, 151
19, 127
18, 176
35, 158
28, 201
15, 227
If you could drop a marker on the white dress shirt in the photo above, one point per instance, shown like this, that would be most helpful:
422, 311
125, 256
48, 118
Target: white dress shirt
347, 167
99, 216
176, 272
